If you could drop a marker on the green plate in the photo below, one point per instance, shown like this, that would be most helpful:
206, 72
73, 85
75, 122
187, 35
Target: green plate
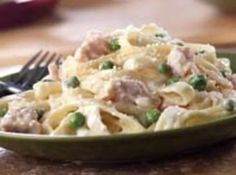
120, 148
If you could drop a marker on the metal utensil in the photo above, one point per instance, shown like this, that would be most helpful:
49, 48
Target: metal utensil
34, 70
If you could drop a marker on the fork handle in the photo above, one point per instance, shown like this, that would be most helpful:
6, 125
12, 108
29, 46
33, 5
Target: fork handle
6, 89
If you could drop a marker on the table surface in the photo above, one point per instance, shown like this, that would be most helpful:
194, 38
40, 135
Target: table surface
215, 160
62, 32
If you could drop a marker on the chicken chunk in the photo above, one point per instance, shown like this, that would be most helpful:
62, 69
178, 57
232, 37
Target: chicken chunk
126, 89
180, 61
129, 95
22, 120
94, 46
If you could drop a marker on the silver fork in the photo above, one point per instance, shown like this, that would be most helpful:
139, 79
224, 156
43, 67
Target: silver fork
34, 70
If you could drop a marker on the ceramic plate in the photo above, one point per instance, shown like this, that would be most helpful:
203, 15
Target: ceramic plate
123, 147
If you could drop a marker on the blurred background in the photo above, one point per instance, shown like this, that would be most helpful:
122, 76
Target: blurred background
27, 26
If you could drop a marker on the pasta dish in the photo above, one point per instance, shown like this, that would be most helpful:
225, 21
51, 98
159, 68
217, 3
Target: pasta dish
131, 80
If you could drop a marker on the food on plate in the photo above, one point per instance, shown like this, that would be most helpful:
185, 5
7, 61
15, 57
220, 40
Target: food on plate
131, 80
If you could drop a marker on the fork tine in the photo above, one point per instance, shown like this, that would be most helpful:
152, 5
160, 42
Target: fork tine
59, 60
25, 69
38, 72
30, 62
34, 71
43, 71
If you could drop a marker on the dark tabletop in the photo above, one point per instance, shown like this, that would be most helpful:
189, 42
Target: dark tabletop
216, 160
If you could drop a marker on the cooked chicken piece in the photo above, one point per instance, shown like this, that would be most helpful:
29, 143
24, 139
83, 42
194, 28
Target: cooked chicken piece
129, 95
127, 89
22, 120
180, 61
94, 46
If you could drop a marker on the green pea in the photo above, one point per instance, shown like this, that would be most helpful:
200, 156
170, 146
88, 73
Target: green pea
114, 45
3, 110
173, 80
229, 105
164, 69
152, 116
106, 65
72, 82
76, 120
198, 82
